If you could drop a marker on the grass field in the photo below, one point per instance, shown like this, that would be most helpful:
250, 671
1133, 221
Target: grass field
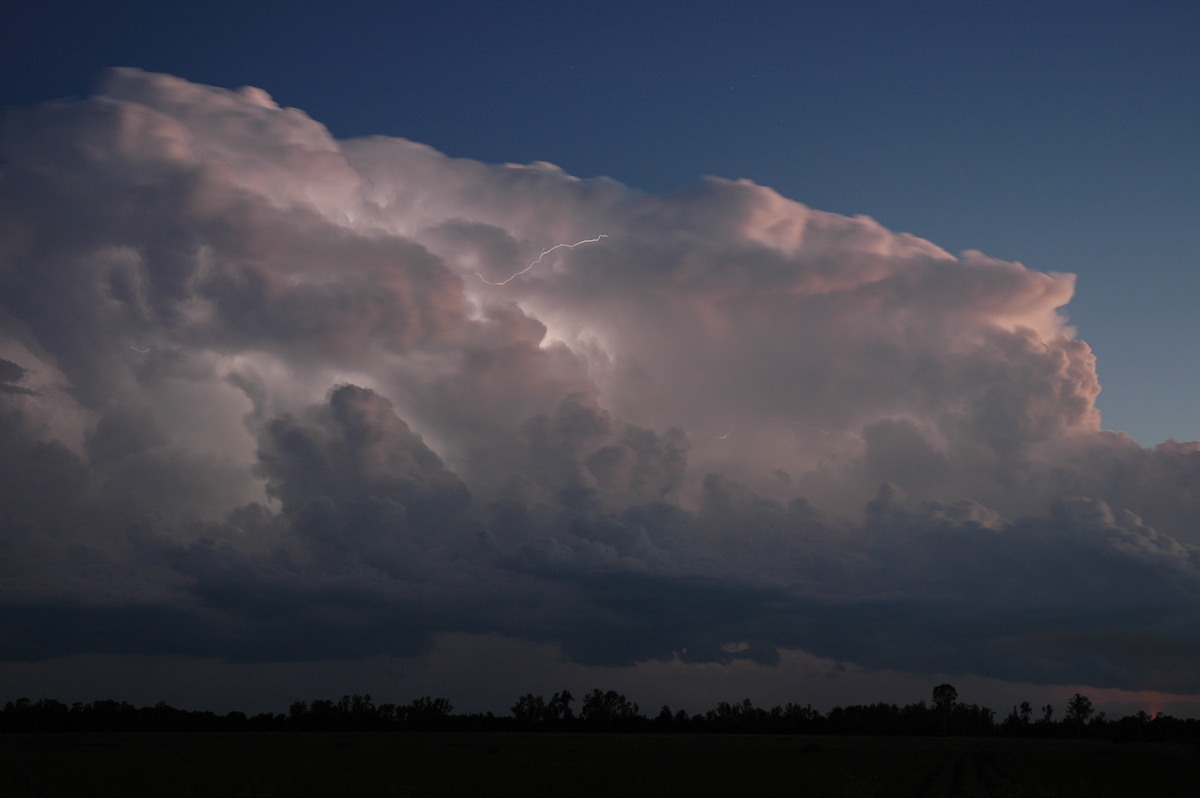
558, 765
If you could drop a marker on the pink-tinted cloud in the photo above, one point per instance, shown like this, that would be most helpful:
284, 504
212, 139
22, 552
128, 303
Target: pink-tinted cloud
252, 383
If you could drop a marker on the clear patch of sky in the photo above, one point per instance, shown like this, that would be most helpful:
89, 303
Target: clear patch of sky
1060, 134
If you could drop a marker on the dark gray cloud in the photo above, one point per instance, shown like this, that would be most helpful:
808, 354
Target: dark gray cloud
262, 399
10, 375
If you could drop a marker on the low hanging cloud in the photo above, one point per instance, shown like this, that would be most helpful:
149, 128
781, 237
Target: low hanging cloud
269, 396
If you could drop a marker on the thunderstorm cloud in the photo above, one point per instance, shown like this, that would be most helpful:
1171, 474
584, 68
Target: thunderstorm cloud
266, 396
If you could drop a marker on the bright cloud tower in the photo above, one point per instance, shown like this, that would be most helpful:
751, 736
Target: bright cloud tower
269, 397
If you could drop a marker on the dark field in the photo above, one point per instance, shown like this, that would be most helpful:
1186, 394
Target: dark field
584, 765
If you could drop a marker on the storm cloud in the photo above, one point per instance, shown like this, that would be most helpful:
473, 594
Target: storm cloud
264, 398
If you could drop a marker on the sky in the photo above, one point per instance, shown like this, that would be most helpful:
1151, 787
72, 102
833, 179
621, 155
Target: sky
786, 352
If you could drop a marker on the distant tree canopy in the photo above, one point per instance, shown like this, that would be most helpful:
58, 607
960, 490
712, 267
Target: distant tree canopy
602, 711
944, 696
533, 711
1079, 710
608, 709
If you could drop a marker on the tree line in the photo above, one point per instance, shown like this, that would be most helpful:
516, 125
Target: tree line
603, 711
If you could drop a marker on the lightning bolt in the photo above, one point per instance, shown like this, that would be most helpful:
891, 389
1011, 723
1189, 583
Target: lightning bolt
539, 259
714, 436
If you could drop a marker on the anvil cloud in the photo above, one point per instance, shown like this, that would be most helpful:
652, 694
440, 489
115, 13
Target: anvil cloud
260, 402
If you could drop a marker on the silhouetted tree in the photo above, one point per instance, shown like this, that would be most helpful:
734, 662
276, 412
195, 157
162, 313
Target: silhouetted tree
530, 711
534, 712
427, 713
322, 715
944, 696
743, 717
972, 719
1079, 709
607, 710
601, 711
298, 713
362, 711
1012, 723
559, 708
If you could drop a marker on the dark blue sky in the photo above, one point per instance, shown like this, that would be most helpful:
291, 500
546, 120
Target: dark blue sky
1061, 135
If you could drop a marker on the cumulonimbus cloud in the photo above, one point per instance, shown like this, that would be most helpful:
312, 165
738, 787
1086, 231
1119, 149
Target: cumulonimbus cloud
250, 379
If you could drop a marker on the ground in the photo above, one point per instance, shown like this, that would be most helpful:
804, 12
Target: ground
393, 764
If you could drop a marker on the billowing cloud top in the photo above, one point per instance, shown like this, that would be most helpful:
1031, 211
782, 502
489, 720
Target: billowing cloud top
267, 395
